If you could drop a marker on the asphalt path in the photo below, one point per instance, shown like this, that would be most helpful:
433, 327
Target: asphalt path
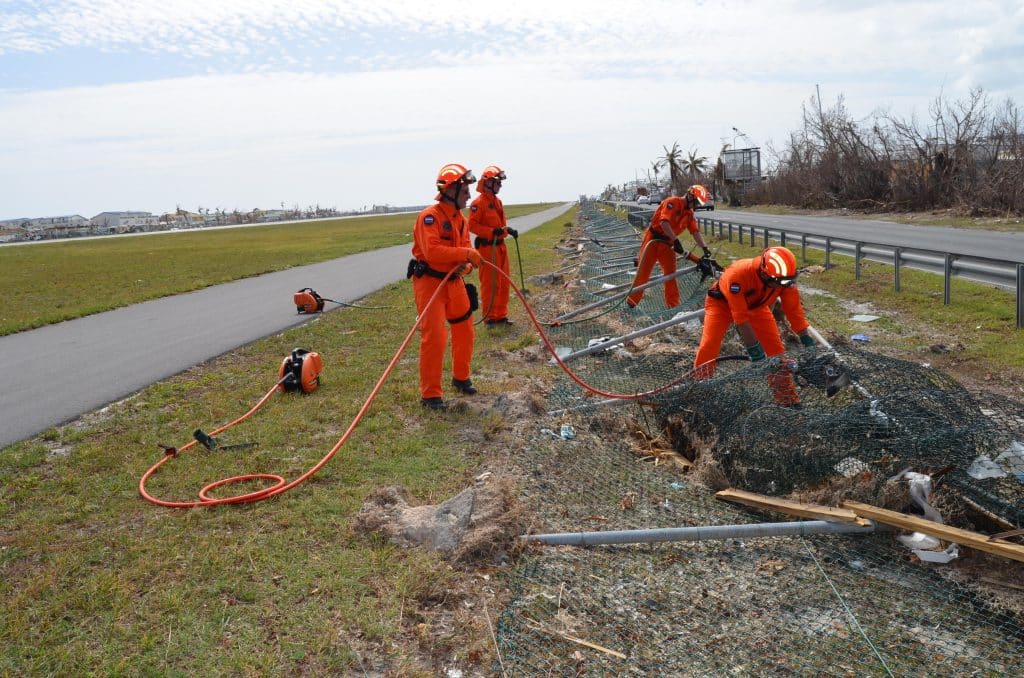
56, 373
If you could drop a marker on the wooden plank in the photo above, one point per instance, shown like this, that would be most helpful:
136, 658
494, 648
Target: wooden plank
817, 511
974, 540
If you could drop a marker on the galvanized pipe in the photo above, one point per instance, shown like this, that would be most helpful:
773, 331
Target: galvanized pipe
797, 528
603, 302
651, 329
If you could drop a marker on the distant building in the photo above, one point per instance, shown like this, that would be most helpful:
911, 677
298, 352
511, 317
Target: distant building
124, 222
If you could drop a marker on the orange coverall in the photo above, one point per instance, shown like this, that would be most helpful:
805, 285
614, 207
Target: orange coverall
487, 213
440, 238
739, 296
656, 246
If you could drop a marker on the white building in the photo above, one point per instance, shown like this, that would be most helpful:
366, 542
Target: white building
124, 222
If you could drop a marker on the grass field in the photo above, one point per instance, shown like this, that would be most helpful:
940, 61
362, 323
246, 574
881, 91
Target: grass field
44, 283
97, 581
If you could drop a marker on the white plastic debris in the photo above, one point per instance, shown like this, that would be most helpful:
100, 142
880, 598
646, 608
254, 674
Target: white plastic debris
875, 411
918, 540
863, 318
561, 352
920, 487
601, 340
1012, 459
928, 556
983, 468
567, 432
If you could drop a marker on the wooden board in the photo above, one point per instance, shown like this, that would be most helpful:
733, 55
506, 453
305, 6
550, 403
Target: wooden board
792, 508
999, 547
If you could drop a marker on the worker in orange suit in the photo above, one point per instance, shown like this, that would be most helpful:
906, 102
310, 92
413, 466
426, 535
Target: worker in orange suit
441, 246
661, 243
744, 296
487, 222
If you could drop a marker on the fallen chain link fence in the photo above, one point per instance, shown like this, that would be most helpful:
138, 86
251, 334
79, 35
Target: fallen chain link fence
821, 605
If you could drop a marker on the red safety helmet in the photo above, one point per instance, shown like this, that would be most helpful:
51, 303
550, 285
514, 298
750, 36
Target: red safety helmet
490, 172
777, 267
451, 175
699, 192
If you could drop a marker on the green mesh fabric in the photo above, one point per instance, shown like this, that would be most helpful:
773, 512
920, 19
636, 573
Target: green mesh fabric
857, 605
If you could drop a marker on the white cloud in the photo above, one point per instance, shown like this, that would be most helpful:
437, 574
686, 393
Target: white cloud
353, 103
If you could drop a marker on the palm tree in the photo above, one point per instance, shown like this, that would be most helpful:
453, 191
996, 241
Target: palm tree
695, 165
673, 160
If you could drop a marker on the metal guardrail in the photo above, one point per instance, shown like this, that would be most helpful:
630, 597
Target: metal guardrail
1000, 272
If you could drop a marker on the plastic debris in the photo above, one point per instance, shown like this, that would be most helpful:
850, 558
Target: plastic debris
920, 486
951, 552
860, 338
918, 540
561, 352
567, 432
983, 468
676, 485
601, 340
863, 318
1011, 460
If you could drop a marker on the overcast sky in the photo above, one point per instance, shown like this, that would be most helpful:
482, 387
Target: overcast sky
149, 104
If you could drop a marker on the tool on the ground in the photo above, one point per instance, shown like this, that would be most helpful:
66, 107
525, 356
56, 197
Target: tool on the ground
211, 443
307, 301
300, 371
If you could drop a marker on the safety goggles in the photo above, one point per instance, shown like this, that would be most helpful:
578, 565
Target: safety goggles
781, 281
499, 177
467, 178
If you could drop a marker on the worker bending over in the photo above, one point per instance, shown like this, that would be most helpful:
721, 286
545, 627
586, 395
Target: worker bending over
744, 295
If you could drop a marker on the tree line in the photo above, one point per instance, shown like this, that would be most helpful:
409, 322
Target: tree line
966, 155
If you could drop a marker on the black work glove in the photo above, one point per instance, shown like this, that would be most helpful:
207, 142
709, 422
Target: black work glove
498, 232
514, 233
807, 340
715, 266
706, 269
678, 246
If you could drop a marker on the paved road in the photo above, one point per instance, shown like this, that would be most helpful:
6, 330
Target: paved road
991, 244
56, 373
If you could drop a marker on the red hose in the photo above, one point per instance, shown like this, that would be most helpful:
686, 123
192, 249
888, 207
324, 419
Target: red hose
280, 486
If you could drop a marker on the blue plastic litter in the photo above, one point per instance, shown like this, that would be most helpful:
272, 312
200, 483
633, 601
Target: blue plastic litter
677, 486
862, 338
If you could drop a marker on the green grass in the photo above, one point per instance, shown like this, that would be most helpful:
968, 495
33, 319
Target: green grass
97, 581
49, 282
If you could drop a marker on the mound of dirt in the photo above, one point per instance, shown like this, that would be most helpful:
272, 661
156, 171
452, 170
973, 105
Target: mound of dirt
480, 525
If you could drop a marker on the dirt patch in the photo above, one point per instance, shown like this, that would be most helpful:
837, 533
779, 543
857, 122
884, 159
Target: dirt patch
480, 525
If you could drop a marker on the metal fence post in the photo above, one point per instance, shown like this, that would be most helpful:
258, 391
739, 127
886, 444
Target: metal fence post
828, 253
740, 227
856, 261
803, 247
730, 231
896, 268
765, 236
782, 237
1020, 296
947, 273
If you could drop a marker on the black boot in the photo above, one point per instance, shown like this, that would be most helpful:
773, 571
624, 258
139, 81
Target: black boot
464, 386
434, 404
